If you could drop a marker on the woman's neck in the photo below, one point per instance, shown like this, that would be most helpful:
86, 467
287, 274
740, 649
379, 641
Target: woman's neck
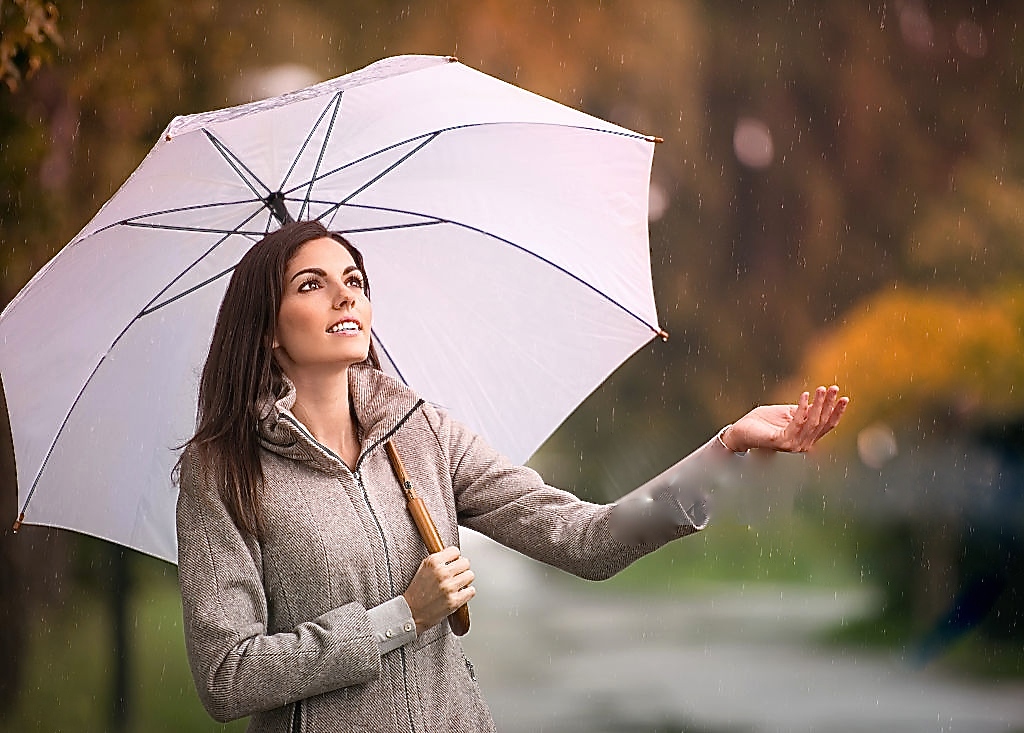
323, 406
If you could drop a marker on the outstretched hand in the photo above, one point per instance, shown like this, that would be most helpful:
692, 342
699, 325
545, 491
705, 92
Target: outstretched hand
788, 428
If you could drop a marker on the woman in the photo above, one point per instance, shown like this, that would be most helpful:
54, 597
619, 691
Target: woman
309, 600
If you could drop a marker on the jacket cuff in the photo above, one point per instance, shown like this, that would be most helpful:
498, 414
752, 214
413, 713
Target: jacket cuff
393, 624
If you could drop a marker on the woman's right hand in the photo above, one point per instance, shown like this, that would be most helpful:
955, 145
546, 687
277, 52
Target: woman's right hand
442, 584
788, 428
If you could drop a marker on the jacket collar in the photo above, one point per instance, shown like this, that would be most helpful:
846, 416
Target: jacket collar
381, 404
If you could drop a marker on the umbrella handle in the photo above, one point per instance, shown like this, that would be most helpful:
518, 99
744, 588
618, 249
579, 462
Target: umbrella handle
459, 619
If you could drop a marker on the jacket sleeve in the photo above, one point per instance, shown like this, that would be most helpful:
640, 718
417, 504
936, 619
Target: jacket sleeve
512, 505
239, 668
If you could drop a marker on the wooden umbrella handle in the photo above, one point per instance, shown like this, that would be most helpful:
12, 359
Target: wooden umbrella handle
459, 619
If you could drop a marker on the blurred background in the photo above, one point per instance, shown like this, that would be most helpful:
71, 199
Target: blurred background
839, 199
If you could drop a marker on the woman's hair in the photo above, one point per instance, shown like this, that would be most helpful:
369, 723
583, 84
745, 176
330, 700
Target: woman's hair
241, 373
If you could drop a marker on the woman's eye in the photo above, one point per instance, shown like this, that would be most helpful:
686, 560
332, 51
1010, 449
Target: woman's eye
355, 282
310, 284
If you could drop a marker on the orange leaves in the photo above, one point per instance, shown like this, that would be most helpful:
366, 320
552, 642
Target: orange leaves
909, 357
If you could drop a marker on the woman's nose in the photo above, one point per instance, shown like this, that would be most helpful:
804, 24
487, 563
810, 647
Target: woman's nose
343, 299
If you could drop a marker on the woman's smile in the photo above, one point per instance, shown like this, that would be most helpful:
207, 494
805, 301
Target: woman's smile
346, 326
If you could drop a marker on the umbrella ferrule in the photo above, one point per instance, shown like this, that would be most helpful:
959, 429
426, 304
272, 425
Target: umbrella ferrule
17, 522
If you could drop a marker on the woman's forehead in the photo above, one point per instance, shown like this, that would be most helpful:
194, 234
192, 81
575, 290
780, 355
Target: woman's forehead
324, 253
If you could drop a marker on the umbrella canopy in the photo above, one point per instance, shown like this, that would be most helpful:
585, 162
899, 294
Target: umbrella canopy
505, 236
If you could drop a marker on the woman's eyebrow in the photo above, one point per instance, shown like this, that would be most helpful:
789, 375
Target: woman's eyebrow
310, 270
322, 273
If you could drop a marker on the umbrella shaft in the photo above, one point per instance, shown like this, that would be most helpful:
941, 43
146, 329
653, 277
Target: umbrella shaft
425, 524
459, 619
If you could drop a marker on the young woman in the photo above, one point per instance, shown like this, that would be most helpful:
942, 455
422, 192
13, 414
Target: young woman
310, 602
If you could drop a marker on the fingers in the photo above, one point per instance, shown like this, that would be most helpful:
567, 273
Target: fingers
792, 428
457, 578
453, 575
445, 556
837, 413
814, 412
446, 584
822, 415
448, 568
462, 591
802, 412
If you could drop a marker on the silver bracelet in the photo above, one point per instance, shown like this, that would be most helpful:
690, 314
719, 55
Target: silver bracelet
722, 441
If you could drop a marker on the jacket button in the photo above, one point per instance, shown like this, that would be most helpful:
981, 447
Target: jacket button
408, 626
389, 633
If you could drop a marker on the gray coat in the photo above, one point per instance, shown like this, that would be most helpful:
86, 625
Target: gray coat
278, 628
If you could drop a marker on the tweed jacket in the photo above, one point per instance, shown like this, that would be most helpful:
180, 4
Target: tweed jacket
277, 628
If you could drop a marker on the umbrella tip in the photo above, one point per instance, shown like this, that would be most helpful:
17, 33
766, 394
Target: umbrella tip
453, 59
663, 335
17, 523
655, 139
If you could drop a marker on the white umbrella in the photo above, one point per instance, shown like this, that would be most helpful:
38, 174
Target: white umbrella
505, 236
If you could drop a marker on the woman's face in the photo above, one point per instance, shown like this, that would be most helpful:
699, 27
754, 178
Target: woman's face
325, 317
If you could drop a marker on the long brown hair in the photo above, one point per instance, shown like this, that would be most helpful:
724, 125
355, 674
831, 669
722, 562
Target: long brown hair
241, 374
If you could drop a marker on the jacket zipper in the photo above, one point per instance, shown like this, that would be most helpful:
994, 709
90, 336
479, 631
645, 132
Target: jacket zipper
391, 584
297, 717
357, 475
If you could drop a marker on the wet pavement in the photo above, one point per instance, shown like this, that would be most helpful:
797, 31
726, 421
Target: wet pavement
554, 656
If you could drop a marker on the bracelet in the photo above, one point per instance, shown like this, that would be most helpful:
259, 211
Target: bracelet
722, 441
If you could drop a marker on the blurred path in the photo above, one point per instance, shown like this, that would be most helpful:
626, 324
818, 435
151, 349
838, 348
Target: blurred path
556, 659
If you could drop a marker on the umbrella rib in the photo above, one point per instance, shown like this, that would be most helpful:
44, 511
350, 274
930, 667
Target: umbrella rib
237, 165
509, 242
387, 170
336, 103
431, 136
564, 271
334, 208
413, 225
394, 364
197, 230
305, 143
149, 308
357, 161
390, 168
133, 221
155, 307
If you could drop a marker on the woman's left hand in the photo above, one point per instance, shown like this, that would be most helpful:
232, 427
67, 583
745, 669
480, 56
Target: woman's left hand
788, 428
